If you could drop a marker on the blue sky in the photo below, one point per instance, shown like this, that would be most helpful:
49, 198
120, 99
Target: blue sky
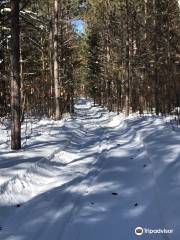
79, 26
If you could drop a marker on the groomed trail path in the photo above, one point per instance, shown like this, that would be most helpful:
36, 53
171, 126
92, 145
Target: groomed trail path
110, 176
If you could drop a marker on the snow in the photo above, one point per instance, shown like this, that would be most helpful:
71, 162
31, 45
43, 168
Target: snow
90, 177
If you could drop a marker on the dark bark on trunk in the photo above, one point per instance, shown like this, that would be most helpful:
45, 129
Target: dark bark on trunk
15, 77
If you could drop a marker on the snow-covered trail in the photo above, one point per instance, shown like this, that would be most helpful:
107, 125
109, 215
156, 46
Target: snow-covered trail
110, 177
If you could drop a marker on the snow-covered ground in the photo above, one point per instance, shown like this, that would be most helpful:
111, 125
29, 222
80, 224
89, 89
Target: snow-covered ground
96, 176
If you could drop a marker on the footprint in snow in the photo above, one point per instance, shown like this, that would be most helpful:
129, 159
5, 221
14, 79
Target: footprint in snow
18, 205
114, 193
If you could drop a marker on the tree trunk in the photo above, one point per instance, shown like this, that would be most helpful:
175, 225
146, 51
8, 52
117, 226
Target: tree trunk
55, 60
127, 98
51, 72
15, 77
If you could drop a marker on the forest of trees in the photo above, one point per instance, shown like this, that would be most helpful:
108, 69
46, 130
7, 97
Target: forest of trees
127, 58
134, 54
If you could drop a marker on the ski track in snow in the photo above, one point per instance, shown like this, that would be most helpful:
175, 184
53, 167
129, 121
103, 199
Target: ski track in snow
107, 176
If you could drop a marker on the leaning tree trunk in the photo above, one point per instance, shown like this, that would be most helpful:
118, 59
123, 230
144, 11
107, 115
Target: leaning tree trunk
15, 77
